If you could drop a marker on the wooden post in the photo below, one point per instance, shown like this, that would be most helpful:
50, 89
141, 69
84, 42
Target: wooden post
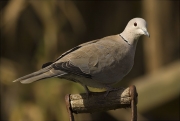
96, 102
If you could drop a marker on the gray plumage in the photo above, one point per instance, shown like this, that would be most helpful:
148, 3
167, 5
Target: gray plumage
99, 63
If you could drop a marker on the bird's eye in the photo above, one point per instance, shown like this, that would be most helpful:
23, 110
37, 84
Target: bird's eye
135, 24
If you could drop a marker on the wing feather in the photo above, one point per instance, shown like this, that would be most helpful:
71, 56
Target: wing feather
70, 68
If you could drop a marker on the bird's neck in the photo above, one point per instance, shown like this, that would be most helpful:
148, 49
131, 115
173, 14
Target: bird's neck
130, 39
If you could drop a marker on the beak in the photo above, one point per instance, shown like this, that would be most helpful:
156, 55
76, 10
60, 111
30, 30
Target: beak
146, 33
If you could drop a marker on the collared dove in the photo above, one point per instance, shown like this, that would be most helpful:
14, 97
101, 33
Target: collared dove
99, 63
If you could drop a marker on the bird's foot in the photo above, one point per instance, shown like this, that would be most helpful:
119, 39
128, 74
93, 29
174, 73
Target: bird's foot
110, 89
88, 92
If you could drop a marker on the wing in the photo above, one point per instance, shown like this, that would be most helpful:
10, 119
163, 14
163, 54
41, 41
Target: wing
88, 59
93, 57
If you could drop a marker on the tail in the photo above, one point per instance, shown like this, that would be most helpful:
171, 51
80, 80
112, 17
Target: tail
38, 75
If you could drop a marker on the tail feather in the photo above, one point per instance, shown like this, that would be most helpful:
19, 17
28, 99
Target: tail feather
38, 75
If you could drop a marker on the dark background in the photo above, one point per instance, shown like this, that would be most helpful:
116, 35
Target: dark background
35, 32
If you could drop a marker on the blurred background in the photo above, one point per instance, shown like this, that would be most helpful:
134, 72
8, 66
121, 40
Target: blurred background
35, 32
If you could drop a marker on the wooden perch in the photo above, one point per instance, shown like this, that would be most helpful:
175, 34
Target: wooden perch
124, 98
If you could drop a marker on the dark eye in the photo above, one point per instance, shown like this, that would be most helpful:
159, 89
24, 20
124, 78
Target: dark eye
135, 24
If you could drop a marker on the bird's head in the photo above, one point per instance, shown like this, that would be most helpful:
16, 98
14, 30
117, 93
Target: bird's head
135, 28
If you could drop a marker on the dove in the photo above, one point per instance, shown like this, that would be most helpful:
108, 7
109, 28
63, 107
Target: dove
100, 63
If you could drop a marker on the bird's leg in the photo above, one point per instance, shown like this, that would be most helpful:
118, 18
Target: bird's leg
88, 92
110, 89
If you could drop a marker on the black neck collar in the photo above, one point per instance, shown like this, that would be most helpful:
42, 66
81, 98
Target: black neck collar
124, 39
